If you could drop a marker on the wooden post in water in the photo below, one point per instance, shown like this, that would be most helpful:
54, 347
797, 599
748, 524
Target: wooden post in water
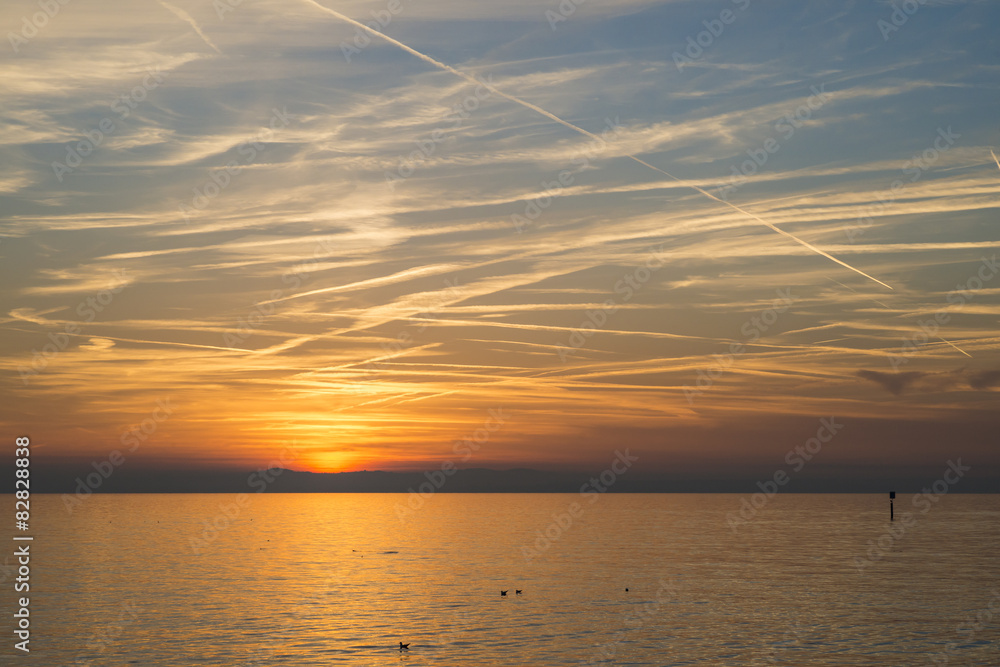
892, 494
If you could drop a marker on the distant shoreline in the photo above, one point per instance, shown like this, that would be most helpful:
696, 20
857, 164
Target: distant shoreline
82, 482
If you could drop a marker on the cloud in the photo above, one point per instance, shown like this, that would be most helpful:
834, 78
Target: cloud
600, 141
960, 379
985, 379
894, 383
98, 344
369, 353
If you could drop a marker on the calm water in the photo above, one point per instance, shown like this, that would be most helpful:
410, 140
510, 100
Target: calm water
340, 579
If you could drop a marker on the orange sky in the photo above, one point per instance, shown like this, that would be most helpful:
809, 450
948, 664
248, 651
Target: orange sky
273, 245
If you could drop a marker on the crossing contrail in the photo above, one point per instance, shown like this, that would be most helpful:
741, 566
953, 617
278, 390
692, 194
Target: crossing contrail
995, 157
944, 340
564, 123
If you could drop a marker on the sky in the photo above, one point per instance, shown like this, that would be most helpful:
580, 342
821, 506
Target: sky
518, 234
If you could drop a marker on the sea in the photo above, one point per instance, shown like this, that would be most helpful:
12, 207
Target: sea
612, 579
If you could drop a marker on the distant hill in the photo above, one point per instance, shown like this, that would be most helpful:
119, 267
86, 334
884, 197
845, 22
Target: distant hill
76, 479
469, 480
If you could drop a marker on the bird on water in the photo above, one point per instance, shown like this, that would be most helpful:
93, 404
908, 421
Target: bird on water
517, 591
503, 594
404, 647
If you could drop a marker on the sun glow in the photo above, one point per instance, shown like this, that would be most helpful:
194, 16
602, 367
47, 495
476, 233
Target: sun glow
328, 462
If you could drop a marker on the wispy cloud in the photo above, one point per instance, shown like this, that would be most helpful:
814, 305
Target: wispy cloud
590, 135
306, 299
184, 16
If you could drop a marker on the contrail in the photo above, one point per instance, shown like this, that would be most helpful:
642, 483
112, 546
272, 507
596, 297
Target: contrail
887, 308
551, 116
184, 16
420, 271
956, 347
146, 342
995, 158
